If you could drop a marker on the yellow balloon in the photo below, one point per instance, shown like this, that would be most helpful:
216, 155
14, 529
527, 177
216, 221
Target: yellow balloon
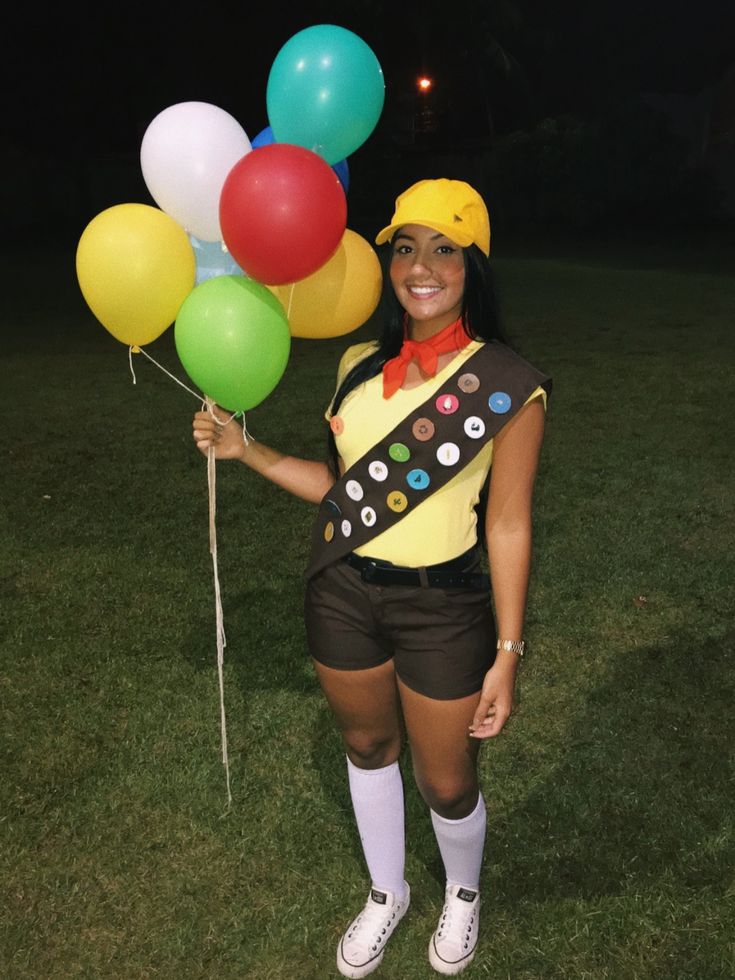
339, 297
135, 266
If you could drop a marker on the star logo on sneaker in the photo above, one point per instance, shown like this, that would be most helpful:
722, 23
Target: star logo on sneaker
380, 897
466, 895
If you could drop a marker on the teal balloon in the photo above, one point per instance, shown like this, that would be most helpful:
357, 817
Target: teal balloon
325, 92
233, 340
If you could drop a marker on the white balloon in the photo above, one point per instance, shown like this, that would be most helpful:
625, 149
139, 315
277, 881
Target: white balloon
186, 153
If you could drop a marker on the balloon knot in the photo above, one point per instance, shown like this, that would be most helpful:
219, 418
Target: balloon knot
134, 349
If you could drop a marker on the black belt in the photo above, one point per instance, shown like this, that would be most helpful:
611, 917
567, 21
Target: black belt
451, 574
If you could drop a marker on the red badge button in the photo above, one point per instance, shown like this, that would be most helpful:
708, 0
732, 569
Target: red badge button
447, 404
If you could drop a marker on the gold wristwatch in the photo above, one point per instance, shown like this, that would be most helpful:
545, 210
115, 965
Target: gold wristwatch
515, 646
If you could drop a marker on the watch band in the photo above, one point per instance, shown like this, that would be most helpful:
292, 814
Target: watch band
514, 646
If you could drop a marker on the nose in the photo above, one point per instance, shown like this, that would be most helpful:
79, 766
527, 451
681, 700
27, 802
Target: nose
421, 260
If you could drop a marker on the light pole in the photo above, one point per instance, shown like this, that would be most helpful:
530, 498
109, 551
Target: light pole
425, 119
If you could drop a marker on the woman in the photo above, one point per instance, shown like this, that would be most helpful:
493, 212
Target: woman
399, 615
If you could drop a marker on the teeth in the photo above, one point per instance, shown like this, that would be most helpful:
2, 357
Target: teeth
423, 290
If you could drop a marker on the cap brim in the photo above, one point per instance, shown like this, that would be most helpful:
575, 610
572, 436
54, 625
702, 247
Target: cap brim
451, 232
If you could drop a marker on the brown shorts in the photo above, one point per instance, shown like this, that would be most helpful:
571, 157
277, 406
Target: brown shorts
442, 641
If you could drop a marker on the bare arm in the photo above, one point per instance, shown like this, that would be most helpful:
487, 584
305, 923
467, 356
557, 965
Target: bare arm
307, 479
508, 525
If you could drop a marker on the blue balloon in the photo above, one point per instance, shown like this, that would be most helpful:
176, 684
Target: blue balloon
343, 172
265, 136
212, 259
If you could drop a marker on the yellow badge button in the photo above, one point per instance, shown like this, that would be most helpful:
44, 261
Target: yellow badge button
397, 501
328, 531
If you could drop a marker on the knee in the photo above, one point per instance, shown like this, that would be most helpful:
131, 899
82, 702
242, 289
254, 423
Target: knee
449, 798
368, 750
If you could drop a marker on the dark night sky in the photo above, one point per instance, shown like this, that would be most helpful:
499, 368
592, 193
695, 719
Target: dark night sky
82, 81
86, 75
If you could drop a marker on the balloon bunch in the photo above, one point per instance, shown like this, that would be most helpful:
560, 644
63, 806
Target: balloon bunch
248, 245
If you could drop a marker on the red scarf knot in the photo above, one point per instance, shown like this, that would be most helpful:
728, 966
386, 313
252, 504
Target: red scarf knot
426, 352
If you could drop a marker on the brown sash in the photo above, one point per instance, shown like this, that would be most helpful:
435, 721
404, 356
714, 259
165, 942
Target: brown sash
423, 452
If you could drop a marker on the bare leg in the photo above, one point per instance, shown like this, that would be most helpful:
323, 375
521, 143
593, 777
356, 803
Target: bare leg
367, 710
444, 756
365, 704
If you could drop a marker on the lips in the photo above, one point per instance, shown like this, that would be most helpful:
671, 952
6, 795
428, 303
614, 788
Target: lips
423, 292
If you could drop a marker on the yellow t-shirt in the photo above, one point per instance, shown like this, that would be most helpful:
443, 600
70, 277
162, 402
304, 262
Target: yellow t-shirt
444, 525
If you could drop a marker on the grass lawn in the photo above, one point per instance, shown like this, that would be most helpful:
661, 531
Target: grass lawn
610, 794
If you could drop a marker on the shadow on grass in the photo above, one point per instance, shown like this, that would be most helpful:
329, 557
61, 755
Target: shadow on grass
642, 789
640, 794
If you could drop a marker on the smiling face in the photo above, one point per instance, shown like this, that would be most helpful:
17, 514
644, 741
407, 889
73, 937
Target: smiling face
427, 273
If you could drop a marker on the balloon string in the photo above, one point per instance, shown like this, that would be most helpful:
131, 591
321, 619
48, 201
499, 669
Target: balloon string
221, 639
206, 402
219, 618
290, 298
139, 350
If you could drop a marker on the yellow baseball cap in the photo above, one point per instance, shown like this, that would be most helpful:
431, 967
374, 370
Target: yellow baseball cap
451, 207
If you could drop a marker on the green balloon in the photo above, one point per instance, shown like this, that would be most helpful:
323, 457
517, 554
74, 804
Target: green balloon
233, 339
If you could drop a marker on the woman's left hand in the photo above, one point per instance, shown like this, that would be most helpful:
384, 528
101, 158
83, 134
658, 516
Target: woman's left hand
496, 701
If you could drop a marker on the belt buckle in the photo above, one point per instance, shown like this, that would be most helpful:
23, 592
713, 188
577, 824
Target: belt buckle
369, 570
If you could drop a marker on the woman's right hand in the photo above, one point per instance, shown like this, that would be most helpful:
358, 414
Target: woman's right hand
220, 430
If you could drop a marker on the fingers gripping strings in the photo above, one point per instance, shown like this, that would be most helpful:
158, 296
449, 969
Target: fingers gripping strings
208, 405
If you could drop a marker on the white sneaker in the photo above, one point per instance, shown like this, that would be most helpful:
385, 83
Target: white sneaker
453, 944
361, 948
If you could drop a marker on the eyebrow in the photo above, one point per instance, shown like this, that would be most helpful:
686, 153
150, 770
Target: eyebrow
410, 238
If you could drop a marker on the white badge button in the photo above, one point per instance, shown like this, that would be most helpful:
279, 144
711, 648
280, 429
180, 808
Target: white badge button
346, 529
448, 453
368, 517
378, 471
474, 427
353, 490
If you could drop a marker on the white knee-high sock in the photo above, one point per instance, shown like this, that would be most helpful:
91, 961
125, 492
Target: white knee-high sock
377, 799
461, 845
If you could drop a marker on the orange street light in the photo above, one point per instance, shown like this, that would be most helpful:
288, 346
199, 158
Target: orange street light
424, 84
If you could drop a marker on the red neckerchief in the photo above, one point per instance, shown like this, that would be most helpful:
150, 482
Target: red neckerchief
426, 352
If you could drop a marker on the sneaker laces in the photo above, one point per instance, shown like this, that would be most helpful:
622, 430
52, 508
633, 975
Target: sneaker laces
374, 921
456, 922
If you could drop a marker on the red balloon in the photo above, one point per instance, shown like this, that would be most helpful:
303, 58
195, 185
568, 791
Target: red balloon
283, 213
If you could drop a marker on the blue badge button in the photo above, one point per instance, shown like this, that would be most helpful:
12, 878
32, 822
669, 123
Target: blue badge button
499, 402
418, 479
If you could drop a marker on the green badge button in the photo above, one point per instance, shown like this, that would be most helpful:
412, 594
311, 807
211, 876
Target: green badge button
399, 452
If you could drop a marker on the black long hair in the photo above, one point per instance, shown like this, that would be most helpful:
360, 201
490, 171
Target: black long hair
480, 319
